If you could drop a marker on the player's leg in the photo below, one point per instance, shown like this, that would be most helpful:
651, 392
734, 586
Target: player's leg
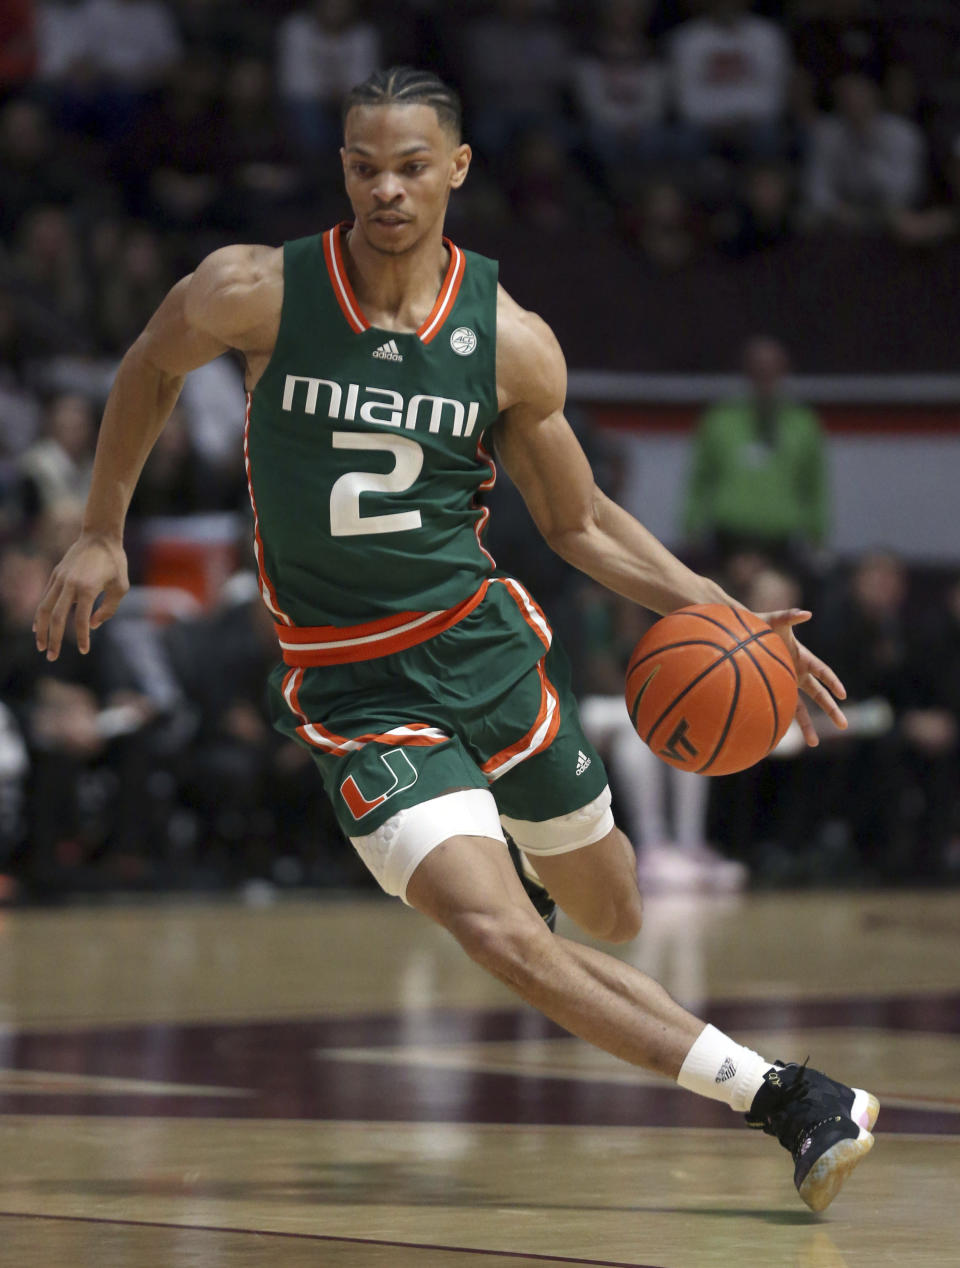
595, 885
556, 807
467, 885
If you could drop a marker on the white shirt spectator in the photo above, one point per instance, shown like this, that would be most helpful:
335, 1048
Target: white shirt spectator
209, 399
730, 72
622, 97
58, 40
315, 64
864, 174
131, 41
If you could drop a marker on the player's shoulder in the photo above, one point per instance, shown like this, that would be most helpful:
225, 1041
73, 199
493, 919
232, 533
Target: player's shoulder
236, 287
241, 264
530, 361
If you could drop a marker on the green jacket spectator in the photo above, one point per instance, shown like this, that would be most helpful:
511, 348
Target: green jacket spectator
759, 472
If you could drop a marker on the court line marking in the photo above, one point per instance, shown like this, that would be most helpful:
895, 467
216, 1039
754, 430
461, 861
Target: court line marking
324, 1237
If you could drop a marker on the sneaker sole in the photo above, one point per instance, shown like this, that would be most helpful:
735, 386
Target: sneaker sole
827, 1175
864, 1109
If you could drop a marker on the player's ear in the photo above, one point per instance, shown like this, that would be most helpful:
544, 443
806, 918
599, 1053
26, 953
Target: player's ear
460, 165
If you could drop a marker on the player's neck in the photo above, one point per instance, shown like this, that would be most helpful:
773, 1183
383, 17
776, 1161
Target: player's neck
396, 292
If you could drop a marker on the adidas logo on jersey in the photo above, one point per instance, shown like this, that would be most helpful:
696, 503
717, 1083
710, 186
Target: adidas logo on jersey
388, 351
583, 762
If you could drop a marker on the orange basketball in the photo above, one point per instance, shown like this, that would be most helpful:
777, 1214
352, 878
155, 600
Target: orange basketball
711, 689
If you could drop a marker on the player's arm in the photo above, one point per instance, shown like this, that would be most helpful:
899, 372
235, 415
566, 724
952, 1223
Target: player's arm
224, 304
543, 457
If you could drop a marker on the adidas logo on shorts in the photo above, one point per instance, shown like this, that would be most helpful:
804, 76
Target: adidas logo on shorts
583, 761
388, 351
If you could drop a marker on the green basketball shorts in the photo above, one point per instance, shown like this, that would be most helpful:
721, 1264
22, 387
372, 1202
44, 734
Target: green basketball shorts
472, 728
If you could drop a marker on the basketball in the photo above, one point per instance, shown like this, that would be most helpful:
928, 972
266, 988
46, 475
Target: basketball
711, 688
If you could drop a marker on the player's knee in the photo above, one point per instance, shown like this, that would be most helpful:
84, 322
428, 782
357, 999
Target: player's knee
621, 919
506, 943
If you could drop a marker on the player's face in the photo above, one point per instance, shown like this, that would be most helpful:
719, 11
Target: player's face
400, 165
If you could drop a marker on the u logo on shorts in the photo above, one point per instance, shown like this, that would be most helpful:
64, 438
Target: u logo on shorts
403, 774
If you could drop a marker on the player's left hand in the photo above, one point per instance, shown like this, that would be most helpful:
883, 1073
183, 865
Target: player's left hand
815, 678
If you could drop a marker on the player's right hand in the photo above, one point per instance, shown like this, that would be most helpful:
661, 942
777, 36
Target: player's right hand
93, 565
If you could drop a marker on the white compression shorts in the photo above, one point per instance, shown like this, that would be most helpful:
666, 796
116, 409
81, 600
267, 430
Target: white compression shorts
395, 850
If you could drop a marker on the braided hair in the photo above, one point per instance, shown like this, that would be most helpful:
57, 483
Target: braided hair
407, 86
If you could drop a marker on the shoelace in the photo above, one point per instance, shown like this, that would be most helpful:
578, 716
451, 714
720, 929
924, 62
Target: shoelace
783, 1123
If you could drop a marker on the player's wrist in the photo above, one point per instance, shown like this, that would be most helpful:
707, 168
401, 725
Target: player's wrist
97, 533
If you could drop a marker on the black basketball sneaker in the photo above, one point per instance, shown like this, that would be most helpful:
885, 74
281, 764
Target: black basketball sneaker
535, 891
824, 1124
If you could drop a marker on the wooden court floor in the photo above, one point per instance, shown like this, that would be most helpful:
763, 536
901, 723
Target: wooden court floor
330, 1082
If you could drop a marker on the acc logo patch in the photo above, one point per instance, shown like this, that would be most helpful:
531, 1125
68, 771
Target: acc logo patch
463, 341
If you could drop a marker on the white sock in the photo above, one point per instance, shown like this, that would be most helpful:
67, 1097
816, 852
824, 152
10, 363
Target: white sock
723, 1070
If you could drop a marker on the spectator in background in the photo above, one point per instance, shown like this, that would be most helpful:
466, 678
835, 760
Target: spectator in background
517, 67
263, 177
865, 165
665, 809
169, 163
758, 477
663, 225
731, 72
92, 725
252, 793
763, 211
177, 479
57, 468
321, 51
14, 764
47, 260
34, 164
18, 45
940, 219
213, 401
116, 54
621, 92
897, 788
832, 38
224, 29
132, 278
55, 711
58, 524
943, 665
19, 411
544, 189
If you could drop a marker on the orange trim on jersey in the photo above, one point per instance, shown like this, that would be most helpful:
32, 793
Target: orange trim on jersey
341, 282
306, 646
448, 294
480, 525
416, 734
267, 591
350, 305
540, 736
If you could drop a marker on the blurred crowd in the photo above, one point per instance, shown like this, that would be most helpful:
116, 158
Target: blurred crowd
137, 135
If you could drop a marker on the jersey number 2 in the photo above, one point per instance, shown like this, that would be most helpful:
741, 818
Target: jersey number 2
345, 517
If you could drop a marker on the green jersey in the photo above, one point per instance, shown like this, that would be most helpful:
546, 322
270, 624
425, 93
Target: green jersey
364, 454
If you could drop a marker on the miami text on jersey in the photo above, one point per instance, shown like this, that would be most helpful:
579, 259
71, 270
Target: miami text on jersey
380, 405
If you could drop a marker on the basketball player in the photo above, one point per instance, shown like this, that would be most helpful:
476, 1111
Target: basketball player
429, 688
